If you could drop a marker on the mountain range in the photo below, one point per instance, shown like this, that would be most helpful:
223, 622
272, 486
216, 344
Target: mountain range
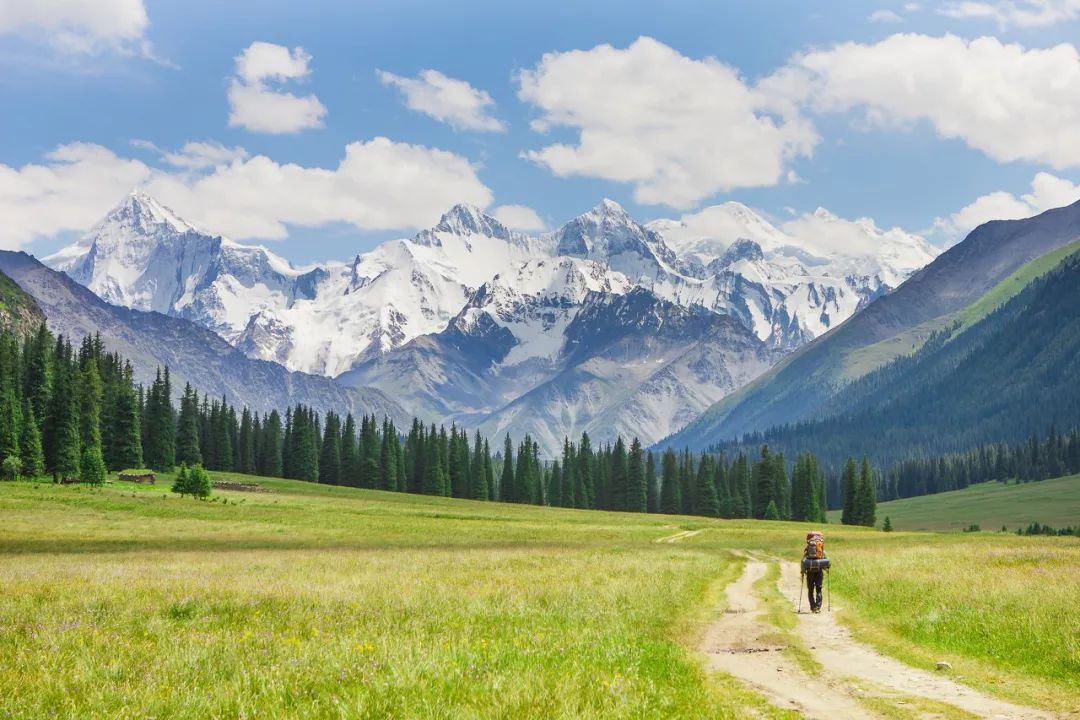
194, 354
604, 324
971, 313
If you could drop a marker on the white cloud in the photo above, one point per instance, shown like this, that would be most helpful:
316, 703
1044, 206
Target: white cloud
518, 217
885, 16
1047, 191
195, 155
80, 26
912, 7
1007, 101
826, 235
1015, 13
378, 185
454, 102
255, 106
676, 128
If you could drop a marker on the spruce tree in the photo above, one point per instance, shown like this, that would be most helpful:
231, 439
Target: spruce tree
865, 500
32, 456
705, 501
507, 491
181, 484
850, 513
771, 512
887, 527
91, 460
762, 482
585, 488
637, 497
188, 451
670, 487
350, 454
124, 447
652, 499
62, 447
270, 463
478, 485
246, 443
330, 453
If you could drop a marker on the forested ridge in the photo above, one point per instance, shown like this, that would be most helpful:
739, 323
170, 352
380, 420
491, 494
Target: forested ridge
1006, 379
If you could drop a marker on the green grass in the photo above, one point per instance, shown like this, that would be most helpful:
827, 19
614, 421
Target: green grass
863, 360
1000, 608
990, 505
320, 602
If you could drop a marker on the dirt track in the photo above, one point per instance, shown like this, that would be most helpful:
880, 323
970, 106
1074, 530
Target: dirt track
743, 644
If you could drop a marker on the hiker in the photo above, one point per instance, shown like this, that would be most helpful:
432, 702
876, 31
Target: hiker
814, 564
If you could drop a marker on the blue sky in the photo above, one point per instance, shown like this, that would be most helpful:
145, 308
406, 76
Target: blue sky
928, 116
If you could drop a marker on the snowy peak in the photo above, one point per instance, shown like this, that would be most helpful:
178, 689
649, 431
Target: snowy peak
742, 250
463, 219
141, 212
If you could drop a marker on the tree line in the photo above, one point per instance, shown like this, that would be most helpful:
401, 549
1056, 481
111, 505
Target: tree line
1034, 459
79, 413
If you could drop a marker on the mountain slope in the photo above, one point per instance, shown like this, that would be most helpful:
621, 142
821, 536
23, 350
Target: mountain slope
193, 353
19, 312
634, 365
796, 388
1006, 377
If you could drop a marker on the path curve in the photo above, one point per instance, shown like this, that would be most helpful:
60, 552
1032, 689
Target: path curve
678, 537
833, 646
743, 645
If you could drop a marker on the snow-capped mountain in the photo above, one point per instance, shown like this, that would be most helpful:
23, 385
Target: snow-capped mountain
473, 321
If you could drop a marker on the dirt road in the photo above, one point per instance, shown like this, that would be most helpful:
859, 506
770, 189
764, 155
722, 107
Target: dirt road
742, 643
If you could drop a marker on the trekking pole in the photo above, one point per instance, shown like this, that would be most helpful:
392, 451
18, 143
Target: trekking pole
828, 587
802, 579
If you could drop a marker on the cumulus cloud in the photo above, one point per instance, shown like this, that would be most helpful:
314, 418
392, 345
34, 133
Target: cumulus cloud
1010, 102
80, 26
885, 16
257, 106
378, 185
676, 128
518, 217
1047, 191
454, 102
1015, 13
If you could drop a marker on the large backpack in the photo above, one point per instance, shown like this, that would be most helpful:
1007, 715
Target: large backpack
815, 546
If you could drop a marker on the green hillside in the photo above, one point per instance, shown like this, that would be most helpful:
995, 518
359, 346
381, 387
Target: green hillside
990, 505
986, 267
863, 360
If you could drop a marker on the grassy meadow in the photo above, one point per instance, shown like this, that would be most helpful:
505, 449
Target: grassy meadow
323, 602
990, 505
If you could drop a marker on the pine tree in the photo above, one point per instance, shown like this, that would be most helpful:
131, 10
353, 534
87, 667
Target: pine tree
762, 482
705, 501
181, 484
270, 463
330, 454
850, 514
62, 447
350, 454
246, 442
478, 485
741, 504
670, 487
507, 491
199, 481
865, 500
887, 527
637, 497
91, 460
124, 447
585, 488
32, 456
771, 512
188, 451
652, 499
